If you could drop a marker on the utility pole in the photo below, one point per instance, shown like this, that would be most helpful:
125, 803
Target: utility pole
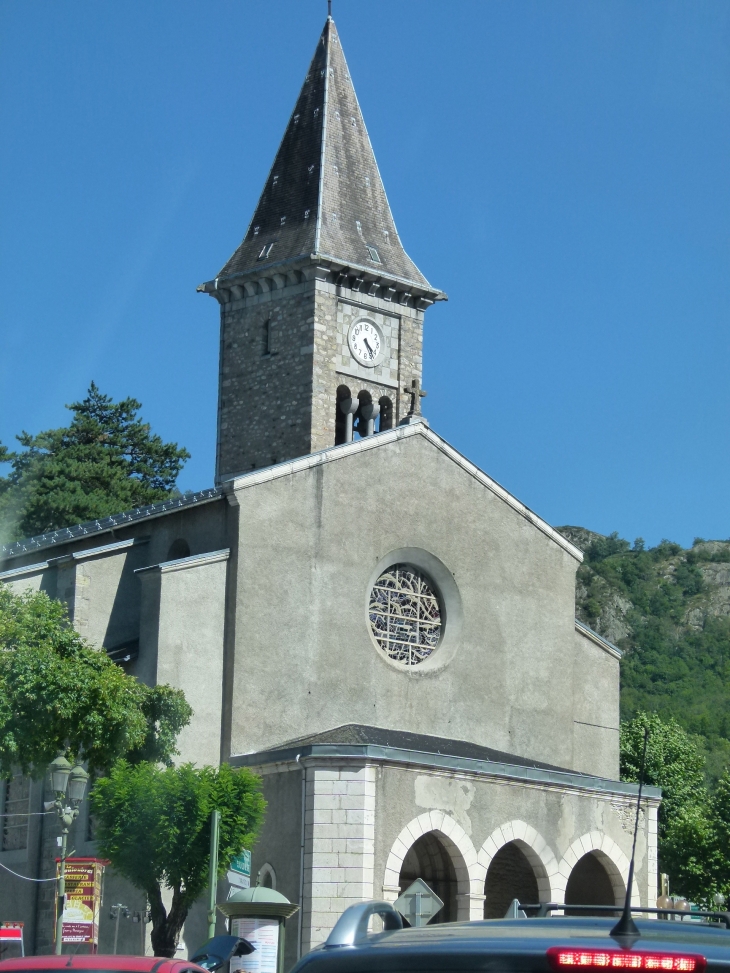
215, 820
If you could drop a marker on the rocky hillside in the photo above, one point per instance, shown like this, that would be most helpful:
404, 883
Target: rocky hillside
669, 610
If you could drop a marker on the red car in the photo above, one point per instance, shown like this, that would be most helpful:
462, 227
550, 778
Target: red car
117, 964
211, 956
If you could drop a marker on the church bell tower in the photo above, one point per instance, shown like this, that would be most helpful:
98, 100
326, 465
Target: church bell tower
321, 307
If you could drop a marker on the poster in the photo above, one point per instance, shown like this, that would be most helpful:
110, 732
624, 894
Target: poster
80, 923
264, 935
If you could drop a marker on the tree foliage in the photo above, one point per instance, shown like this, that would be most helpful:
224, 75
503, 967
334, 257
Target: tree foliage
673, 762
106, 461
694, 823
154, 826
665, 608
59, 693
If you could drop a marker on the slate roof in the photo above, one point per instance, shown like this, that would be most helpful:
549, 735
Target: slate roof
357, 734
65, 534
324, 196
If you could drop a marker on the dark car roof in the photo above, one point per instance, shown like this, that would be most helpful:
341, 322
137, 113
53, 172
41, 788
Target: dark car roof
100, 961
510, 944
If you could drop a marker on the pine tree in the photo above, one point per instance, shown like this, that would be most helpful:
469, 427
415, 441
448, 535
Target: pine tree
106, 461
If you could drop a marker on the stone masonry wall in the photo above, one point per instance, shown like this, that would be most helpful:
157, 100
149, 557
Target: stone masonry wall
335, 307
264, 398
279, 402
339, 846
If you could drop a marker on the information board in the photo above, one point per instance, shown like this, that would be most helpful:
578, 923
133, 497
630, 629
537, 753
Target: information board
264, 935
80, 922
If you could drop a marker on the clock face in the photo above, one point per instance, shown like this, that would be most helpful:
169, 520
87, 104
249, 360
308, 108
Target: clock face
366, 343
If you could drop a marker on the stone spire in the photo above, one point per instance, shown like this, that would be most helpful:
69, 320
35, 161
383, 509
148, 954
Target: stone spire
324, 197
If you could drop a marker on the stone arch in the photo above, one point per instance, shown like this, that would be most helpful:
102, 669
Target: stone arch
266, 876
386, 413
456, 842
344, 410
608, 854
532, 845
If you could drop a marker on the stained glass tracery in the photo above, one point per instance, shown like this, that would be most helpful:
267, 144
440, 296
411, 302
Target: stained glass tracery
405, 614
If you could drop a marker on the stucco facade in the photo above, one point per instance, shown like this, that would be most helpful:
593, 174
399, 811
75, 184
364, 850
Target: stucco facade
264, 624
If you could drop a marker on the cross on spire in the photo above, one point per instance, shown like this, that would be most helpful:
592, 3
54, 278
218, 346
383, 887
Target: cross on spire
329, 8
416, 393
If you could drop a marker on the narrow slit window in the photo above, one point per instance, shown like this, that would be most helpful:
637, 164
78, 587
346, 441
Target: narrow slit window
267, 343
374, 255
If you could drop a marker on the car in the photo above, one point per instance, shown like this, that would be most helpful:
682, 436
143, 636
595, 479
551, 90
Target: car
548, 943
100, 962
211, 956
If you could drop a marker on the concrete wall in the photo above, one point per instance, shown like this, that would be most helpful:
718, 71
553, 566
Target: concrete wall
309, 546
595, 708
279, 843
182, 643
555, 824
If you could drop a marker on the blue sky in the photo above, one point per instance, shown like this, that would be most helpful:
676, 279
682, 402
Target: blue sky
559, 169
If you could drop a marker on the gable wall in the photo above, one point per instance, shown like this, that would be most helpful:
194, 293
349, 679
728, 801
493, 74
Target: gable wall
304, 659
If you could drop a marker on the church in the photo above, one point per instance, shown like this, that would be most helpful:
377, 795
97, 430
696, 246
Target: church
354, 610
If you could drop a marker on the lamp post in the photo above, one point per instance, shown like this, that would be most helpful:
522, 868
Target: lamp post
65, 778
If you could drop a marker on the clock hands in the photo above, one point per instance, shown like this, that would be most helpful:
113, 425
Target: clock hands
367, 343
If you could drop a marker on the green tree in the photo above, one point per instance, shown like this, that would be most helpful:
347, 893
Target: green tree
154, 826
59, 693
721, 818
674, 762
689, 850
106, 461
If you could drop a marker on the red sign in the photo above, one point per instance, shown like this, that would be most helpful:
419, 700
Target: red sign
80, 923
12, 932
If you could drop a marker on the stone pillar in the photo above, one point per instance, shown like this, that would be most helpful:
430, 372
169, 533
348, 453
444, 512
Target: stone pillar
652, 857
369, 413
339, 845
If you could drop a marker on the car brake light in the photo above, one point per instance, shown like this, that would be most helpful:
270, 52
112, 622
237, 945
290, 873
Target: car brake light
621, 959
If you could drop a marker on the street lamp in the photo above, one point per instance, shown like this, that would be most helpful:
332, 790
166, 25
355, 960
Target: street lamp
72, 779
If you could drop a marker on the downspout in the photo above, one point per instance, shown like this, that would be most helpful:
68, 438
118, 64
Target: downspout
301, 860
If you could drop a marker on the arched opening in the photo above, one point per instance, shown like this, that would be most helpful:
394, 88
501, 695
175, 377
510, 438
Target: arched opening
267, 877
429, 860
589, 884
509, 876
178, 549
361, 418
343, 417
386, 413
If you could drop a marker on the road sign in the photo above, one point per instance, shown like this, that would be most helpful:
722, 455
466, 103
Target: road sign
12, 932
418, 903
239, 871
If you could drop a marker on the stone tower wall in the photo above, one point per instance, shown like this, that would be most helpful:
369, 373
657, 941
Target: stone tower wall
281, 403
264, 397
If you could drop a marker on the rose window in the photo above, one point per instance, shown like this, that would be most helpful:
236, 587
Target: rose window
405, 614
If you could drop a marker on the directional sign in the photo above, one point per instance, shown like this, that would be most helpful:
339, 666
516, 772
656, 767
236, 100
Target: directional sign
242, 863
239, 872
418, 903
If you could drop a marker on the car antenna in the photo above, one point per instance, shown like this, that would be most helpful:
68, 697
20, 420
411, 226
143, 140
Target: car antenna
626, 932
